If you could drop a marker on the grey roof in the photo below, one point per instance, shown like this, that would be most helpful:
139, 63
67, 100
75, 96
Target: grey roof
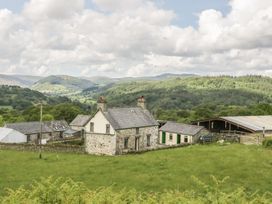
71, 131
181, 128
57, 125
255, 123
34, 127
81, 120
123, 118
28, 127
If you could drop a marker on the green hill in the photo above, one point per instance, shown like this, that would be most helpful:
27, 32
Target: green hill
194, 97
22, 98
61, 85
18, 80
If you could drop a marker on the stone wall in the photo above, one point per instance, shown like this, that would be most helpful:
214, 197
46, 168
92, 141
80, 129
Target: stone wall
251, 139
46, 148
101, 144
131, 135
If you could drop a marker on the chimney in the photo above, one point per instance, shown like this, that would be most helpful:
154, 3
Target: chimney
102, 104
141, 102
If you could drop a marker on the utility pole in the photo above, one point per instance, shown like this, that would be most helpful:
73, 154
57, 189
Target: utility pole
40, 139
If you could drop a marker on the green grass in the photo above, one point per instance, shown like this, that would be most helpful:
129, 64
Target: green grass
248, 166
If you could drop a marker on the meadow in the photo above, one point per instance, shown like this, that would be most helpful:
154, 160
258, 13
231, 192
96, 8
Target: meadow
246, 166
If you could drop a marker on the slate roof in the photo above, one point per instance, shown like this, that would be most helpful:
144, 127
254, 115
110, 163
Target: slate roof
57, 125
255, 123
34, 127
81, 120
124, 118
181, 128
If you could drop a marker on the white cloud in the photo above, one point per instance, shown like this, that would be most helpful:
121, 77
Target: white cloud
134, 38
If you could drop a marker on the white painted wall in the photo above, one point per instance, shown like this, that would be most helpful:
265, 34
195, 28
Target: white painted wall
174, 138
100, 123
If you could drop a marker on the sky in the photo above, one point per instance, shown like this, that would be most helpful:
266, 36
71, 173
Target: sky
119, 38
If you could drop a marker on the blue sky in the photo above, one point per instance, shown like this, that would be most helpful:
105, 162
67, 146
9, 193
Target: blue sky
186, 10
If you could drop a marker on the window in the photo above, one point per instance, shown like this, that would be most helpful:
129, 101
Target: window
148, 140
91, 127
137, 131
170, 137
108, 129
126, 143
186, 139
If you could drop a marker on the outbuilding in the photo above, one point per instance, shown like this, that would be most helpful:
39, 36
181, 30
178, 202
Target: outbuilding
239, 124
8, 135
173, 133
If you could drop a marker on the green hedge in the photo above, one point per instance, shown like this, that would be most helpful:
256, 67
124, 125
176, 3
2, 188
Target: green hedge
268, 142
66, 191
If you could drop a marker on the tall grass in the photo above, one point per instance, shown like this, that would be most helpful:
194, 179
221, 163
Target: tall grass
67, 191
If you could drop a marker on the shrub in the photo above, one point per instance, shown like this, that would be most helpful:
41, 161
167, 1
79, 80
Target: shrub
56, 191
268, 142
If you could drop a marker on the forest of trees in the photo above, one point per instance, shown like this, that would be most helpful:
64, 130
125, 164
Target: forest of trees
21, 104
179, 99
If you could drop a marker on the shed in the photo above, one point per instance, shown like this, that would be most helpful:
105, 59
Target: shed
8, 135
173, 133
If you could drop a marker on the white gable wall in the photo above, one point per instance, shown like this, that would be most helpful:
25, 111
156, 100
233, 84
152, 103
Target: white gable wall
100, 123
11, 136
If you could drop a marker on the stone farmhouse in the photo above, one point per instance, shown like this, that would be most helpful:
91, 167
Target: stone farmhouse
117, 131
173, 133
50, 130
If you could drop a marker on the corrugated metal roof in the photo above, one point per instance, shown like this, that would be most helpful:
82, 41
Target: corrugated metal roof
181, 128
122, 118
81, 120
256, 123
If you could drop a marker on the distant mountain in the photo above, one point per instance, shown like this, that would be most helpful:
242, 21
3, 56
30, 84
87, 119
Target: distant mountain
107, 80
18, 80
62, 85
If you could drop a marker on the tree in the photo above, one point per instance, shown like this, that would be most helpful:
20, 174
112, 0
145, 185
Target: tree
48, 117
1, 121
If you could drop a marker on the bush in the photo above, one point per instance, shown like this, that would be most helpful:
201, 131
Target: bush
67, 191
268, 142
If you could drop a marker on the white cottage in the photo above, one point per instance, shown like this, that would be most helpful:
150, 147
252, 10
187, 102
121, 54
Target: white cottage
173, 133
121, 130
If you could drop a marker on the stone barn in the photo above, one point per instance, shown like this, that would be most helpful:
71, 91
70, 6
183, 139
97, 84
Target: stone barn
116, 131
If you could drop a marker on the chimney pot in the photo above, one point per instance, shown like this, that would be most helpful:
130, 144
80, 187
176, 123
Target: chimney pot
141, 102
102, 103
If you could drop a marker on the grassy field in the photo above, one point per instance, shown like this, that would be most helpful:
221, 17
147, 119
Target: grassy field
248, 166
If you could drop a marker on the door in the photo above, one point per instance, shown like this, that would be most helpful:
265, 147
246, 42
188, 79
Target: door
178, 139
137, 143
163, 137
